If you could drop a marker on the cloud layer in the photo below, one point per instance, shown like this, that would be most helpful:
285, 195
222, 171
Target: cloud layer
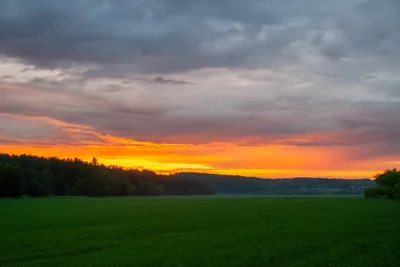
306, 74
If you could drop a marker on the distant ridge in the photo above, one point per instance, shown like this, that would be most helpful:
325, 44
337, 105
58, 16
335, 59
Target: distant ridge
244, 185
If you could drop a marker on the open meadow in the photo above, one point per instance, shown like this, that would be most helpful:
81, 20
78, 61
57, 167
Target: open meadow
200, 231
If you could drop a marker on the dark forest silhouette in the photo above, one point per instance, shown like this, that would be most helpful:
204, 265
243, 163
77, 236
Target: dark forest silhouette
39, 176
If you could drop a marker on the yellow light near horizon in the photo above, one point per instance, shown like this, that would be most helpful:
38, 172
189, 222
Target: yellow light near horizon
150, 164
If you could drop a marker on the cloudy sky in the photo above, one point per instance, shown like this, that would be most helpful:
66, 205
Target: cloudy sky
271, 88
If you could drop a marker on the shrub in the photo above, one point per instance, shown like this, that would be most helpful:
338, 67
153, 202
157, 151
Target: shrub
379, 192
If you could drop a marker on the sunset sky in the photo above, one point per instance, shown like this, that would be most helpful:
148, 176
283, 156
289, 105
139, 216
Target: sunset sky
269, 88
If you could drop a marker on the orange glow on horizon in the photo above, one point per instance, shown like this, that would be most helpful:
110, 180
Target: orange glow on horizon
225, 157
175, 158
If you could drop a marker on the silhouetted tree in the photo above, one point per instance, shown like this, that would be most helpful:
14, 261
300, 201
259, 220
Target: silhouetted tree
388, 178
388, 185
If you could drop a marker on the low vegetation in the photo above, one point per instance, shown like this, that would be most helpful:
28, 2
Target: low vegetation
387, 185
200, 231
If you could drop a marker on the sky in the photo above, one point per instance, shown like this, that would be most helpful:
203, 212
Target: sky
269, 88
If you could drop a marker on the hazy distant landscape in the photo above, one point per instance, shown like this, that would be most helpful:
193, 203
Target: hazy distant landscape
231, 185
27, 175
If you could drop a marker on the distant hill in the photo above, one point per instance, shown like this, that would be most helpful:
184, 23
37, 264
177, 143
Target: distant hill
241, 185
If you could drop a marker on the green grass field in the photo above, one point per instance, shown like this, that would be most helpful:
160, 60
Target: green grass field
208, 231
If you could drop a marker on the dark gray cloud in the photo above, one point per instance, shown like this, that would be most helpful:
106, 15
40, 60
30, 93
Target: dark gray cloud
119, 72
163, 36
161, 80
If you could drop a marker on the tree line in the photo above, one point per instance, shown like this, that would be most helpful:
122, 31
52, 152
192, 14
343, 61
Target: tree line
241, 185
387, 185
39, 176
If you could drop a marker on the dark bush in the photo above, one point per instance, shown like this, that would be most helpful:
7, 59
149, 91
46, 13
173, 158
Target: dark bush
378, 192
